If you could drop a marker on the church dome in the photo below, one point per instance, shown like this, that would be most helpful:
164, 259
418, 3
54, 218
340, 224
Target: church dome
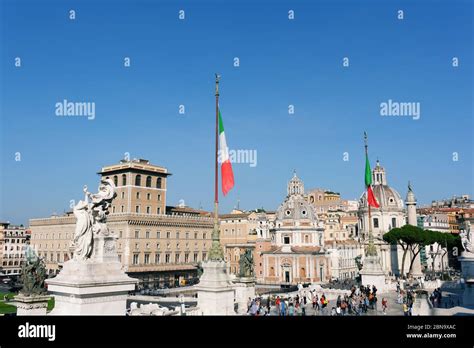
387, 197
296, 207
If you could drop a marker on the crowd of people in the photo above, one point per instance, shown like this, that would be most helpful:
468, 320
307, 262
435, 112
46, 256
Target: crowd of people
406, 299
359, 301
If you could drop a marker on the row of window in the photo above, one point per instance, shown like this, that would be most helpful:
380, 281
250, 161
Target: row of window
138, 181
138, 195
15, 241
12, 247
12, 263
46, 236
168, 246
54, 257
375, 222
148, 234
137, 209
167, 258
14, 234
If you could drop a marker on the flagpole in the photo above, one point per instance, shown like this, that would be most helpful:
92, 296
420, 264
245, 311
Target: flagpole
215, 252
371, 250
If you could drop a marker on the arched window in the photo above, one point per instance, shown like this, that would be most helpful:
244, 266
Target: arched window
158, 183
148, 181
138, 180
115, 180
124, 179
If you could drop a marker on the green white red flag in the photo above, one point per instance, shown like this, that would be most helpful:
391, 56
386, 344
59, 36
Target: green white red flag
227, 175
371, 200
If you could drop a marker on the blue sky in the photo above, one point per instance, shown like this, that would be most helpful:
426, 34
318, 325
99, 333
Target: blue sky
282, 62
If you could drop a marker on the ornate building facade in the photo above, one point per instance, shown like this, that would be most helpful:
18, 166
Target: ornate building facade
295, 252
158, 244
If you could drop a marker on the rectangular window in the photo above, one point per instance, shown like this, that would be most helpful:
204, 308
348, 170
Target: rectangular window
167, 258
195, 257
148, 210
159, 198
147, 234
120, 234
137, 209
204, 256
286, 240
186, 257
158, 235
120, 257
187, 235
394, 222
203, 236
176, 258
147, 259
195, 235
157, 258
168, 235
148, 196
137, 234
158, 210
177, 235
135, 259
376, 223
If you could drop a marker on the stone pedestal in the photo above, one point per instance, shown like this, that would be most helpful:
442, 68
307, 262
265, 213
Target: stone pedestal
96, 286
215, 290
31, 305
372, 273
467, 267
244, 289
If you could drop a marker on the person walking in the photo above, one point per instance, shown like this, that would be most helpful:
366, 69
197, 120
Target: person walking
303, 307
277, 305
384, 305
291, 310
405, 310
283, 308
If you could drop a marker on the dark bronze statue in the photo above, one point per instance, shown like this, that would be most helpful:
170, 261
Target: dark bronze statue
33, 274
246, 264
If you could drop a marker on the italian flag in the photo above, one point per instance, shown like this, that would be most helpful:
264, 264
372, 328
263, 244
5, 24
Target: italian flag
226, 166
368, 184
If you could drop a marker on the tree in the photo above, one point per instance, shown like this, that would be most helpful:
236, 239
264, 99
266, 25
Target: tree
444, 242
410, 238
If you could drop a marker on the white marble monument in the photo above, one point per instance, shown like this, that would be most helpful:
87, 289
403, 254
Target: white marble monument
92, 283
467, 265
215, 289
372, 273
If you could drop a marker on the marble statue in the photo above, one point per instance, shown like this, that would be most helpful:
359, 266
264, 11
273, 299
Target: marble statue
33, 274
91, 215
246, 264
466, 238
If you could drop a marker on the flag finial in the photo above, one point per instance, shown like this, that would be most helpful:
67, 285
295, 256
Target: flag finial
218, 77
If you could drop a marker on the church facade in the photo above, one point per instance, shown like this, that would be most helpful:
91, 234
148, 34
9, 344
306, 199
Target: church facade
295, 253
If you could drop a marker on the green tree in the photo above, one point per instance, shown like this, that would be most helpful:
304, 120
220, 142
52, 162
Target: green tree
410, 238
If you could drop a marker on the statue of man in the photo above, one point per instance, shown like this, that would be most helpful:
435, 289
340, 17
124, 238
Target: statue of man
246, 264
